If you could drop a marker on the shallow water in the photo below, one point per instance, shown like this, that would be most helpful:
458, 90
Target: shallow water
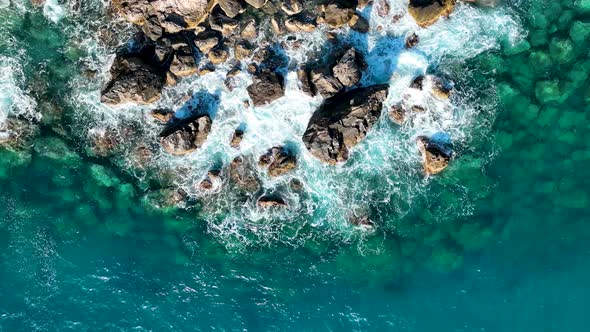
497, 242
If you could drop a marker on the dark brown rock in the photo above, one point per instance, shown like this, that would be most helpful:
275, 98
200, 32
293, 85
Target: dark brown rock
343, 121
243, 175
187, 136
271, 201
266, 88
133, 80
348, 70
412, 40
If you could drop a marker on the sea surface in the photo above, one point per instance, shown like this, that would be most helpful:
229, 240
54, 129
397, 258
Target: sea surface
499, 241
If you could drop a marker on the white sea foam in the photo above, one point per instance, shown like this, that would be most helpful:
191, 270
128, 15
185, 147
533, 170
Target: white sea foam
53, 11
14, 101
384, 170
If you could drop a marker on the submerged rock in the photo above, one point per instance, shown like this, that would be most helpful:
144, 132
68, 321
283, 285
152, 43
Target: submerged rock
427, 12
267, 87
186, 137
243, 175
436, 152
279, 161
343, 121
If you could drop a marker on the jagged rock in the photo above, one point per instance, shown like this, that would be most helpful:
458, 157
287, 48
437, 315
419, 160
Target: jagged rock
441, 88
206, 40
162, 115
186, 136
348, 70
256, 3
304, 78
231, 8
249, 31
102, 142
158, 15
184, 63
243, 175
324, 83
296, 185
211, 183
412, 40
267, 87
237, 138
17, 133
297, 25
270, 201
279, 160
359, 23
362, 222
275, 25
292, 7
222, 23
418, 82
335, 16
436, 152
427, 12
217, 56
343, 121
171, 79
397, 114
133, 81
242, 50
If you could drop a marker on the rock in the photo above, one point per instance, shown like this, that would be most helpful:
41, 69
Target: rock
297, 25
279, 161
242, 50
218, 56
580, 32
186, 136
335, 16
383, 8
231, 8
412, 40
292, 7
184, 63
267, 87
256, 3
249, 31
17, 134
441, 88
211, 183
102, 142
271, 201
348, 70
397, 114
296, 185
359, 23
237, 138
133, 81
162, 115
158, 15
547, 91
427, 12
222, 23
362, 223
243, 175
206, 40
305, 80
324, 83
436, 152
343, 121
275, 25
418, 82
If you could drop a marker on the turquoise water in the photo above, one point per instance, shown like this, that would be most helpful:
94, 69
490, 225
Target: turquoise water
497, 242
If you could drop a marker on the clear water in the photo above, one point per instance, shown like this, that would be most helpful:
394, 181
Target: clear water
497, 242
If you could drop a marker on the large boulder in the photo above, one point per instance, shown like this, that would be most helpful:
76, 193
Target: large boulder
133, 80
343, 121
267, 87
348, 68
243, 175
436, 152
185, 136
231, 8
427, 12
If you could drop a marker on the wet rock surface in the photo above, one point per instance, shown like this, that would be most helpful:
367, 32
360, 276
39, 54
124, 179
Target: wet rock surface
266, 88
427, 12
278, 160
182, 137
343, 121
436, 152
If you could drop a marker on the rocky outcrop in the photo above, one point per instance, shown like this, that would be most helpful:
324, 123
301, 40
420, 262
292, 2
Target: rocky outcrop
427, 12
343, 121
348, 68
266, 88
335, 15
133, 80
324, 82
279, 160
237, 138
157, 17
183, 136
436, 152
